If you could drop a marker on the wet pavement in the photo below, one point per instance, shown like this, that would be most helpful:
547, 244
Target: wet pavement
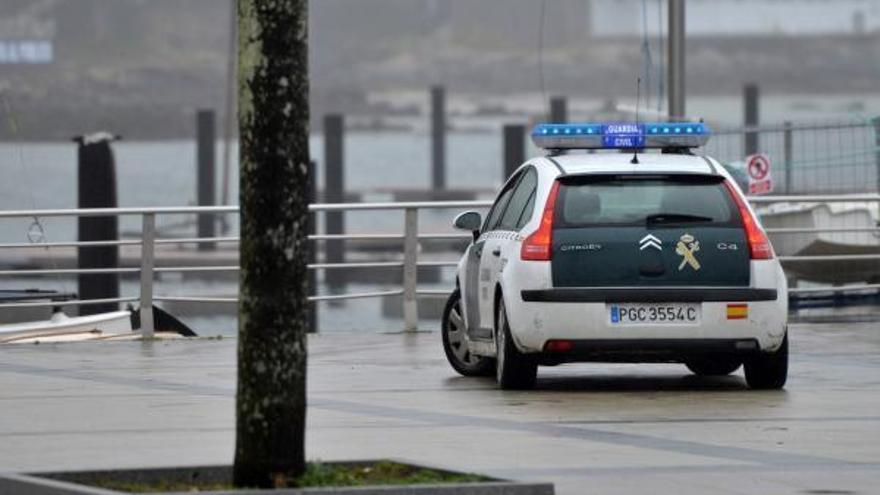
590, 428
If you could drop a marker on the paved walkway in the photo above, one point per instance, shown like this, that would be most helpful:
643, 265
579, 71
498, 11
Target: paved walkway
592, 429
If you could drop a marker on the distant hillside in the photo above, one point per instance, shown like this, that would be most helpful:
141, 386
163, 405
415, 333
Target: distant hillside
141, 68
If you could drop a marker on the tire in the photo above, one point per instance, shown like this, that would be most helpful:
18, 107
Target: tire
713, 366
452, 331
768, 371
513, 369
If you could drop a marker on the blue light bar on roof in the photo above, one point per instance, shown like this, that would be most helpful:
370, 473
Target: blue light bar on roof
621, 136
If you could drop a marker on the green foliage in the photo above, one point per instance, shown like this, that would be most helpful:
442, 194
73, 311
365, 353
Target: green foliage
163, 486
380, 473
317, 474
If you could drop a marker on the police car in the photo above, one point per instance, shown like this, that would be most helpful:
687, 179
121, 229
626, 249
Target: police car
603, 251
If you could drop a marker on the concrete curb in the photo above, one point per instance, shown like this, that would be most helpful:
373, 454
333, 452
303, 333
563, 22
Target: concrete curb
68, 483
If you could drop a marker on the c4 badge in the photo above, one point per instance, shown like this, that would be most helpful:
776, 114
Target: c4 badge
686, 248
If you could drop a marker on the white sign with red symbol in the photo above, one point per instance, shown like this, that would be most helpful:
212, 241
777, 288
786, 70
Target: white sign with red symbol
760, 180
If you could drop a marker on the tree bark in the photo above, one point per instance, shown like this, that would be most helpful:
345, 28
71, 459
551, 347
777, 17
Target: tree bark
274, 156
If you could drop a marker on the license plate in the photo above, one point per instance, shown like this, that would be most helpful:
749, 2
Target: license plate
654, 314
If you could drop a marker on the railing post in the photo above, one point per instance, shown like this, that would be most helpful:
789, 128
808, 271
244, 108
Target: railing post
410, 269
787, 154
313, 249
148, 238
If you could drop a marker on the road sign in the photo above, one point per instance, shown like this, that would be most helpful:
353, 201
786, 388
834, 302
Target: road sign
760, 179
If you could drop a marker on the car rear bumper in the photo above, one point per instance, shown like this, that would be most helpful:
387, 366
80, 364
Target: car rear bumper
582, 316
648, 350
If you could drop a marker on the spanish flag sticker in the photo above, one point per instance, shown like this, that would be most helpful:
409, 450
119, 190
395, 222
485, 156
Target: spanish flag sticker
737, 311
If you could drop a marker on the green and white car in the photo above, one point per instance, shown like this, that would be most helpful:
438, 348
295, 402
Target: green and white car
620, 256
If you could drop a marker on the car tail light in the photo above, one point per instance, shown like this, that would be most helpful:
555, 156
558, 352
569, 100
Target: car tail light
539, 244
759, 244
558, 346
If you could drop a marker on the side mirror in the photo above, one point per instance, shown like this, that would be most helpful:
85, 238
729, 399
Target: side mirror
470, 221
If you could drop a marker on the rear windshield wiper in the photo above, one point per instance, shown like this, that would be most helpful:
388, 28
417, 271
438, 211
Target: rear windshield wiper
675, 218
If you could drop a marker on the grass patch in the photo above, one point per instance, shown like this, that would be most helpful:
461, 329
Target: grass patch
159, 486
317, 475
380, 473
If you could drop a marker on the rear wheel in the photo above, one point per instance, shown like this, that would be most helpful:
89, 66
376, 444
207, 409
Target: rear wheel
453, 332
513, 369
713, 366
768, 371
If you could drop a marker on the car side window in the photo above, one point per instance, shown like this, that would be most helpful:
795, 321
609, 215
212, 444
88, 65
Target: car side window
528, 210
519, 200
498, 208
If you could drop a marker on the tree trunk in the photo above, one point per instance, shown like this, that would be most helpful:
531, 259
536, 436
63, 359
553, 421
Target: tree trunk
274, 155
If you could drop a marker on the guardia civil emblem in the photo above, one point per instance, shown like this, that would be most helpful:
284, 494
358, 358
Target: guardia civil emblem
686, 248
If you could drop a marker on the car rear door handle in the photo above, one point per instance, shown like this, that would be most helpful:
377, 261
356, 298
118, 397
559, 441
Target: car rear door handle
496, 251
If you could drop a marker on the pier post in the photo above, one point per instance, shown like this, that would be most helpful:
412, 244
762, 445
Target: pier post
97, 189
675, 46
751, 117
205, 193
787, 154
558, 110
334, 192
438, 138
514, 148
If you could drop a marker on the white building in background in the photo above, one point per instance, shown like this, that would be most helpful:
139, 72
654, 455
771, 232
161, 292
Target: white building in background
26, 35
625, 18
26, 51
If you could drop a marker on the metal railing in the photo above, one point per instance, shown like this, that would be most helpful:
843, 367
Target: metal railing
814, 199
821, 158
410, 238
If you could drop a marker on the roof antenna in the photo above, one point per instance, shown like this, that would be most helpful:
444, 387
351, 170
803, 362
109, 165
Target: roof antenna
635, 159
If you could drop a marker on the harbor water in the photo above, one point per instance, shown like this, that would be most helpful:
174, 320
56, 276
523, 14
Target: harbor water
43, 175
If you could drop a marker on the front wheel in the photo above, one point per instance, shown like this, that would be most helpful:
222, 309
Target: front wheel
453, 332
768, 371
513, 369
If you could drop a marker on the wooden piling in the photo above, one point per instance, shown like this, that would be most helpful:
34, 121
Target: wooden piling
334, 192
206, 171
438, 138
97, 189
514, 148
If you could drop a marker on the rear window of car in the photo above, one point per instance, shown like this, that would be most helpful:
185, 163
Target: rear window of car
638, 200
